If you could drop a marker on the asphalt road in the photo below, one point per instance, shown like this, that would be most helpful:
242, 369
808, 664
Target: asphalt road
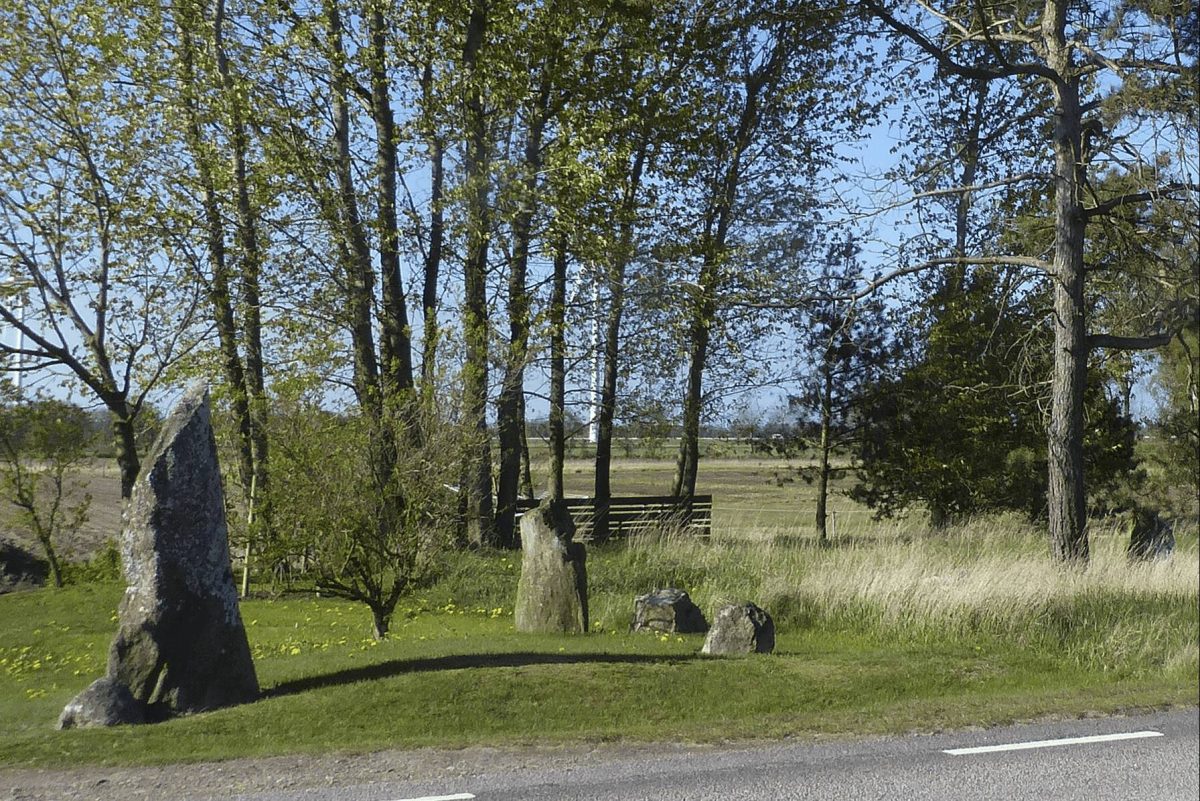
1160, 762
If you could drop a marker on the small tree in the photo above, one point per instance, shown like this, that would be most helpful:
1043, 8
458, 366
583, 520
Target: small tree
1177, 388
41, 444
335, 508
850, 348
961, 428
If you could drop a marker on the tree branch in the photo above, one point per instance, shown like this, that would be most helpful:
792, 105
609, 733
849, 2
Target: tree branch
900, 272
1179, 316
1113, 342
943, 58
963, 190
1110, 205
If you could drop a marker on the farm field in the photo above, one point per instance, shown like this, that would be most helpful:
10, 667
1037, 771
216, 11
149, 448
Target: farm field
754, 497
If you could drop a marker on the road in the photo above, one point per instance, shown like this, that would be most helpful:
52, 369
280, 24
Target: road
1155, 757
1147, 767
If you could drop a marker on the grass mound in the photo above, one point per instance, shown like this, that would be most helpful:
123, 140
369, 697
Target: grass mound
875, 635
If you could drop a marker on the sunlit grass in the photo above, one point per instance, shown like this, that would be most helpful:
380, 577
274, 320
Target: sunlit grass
884, 631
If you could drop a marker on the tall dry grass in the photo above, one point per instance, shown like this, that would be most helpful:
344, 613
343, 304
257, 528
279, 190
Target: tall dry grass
991, 579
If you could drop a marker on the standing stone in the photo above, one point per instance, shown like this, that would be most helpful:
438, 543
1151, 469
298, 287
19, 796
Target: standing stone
552, 592
104, 703
181, 646
740, 629
668, 610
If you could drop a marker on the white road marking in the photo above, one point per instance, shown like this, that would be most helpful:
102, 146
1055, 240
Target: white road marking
1097, 738
455, 797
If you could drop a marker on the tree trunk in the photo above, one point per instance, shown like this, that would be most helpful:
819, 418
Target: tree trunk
510, 405
381, 620
1067, 501
397, 368
433, 257
823, 475
558, 351
252, 261
526, 467
602, 491
713, 242
687, 464
612, 351
52, 557
125, 440
480, 523
359, 274
218, 287
956, 276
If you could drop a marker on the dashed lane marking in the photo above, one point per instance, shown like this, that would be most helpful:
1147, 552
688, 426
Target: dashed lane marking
1097, 738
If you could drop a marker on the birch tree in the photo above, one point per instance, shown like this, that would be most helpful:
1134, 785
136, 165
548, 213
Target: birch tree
93, 284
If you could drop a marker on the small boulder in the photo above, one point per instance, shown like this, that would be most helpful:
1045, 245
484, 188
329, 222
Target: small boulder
20, 568
1150, 537
106, 702
552, 591
740, 629
668, 610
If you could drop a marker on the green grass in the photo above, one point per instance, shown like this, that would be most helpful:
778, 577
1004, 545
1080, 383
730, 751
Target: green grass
875, 635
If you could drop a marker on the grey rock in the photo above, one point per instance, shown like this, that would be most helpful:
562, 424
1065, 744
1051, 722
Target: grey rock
667, 610
552, 591
740, 629
105, 702
20, 568
181, 646
1150, 537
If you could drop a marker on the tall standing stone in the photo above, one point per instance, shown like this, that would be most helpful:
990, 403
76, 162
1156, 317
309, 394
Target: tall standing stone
552, 591
181, 646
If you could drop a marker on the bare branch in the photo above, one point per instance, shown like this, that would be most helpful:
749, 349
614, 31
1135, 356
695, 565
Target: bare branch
943, 57
878, 283
964, 190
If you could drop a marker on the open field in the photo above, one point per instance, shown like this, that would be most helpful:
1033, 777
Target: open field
875, 635
753, 497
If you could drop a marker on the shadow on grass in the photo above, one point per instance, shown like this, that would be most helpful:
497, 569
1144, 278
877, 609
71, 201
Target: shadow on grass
396, 667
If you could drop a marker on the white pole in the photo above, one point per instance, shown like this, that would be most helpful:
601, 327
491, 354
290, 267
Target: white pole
249, 538
594, 423
20, 346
